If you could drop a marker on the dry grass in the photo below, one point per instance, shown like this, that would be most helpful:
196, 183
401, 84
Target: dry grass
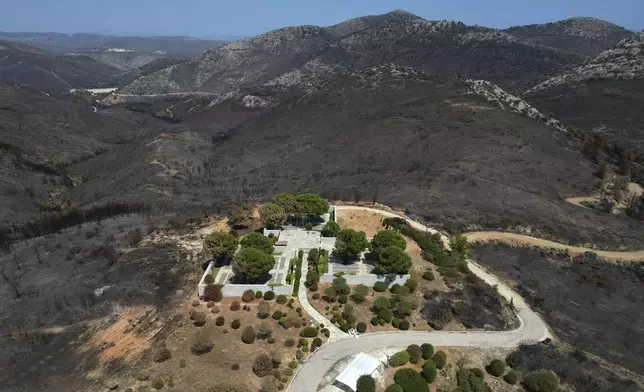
367, 221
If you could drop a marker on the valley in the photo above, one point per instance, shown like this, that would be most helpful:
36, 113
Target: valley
460, 204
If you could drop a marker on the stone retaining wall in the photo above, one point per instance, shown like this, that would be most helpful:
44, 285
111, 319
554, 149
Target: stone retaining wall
365, 279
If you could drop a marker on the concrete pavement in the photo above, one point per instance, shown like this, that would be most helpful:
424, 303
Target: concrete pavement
531, 329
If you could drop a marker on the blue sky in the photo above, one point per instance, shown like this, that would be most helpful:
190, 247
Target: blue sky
250, 17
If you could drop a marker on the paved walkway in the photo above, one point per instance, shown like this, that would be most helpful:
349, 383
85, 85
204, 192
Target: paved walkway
531, 329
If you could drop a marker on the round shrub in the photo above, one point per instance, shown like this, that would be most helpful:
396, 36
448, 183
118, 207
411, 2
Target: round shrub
271, 340
374, 321
309, 332
382, 322
398, 359
288, 372
201, 344
394, 388
142, 374
269, 295
235, 306
219, 321
394, 288
195, 302
235, 366
281, 299
415, 353
235, 324
395, 322
440, 359
199, 319
317, 342
248, 335
429, 275
209, 279
299, 354
289, 343
428, 350
263, 365
512, 377
411, 284
410, 381
225, 331
296, 324
303, 342
380, 287
366, 383
182, 363
429, 373
305, 349
496, 368
361, 327
404, 325
213, 293
313, 287
210, 304
541, 381
343, 299
157, 383
248, 296
316, 296
277, 315
327, 333
162, 354
258, 294
284, 379
386, 314
293, 364
478, 373
214, 310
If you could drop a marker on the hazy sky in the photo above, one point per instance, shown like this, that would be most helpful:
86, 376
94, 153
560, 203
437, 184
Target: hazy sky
250, 17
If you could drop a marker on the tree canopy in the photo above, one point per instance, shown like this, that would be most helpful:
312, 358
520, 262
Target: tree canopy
386, 238
288, 202
331, 229
393, 260
272, 215
259, 241
241, 216
312, 204
220, 244
350, 243
541, 381
252, 264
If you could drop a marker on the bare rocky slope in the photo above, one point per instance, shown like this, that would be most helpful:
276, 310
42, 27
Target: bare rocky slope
302, 56
50, 72
386, 132
583, 35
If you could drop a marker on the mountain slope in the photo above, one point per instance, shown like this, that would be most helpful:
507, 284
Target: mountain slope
300, 57
604, 96
23, 64
386, 132
583, 35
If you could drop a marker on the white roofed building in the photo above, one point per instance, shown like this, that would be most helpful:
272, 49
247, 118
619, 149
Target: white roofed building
362, 364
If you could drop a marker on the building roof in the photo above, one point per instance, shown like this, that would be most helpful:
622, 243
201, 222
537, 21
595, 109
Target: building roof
362, 364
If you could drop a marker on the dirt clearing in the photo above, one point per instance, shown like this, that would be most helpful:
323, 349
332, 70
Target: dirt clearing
367, 221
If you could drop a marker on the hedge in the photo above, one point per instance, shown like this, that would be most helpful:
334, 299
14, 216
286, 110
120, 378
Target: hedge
398, 359
410, 381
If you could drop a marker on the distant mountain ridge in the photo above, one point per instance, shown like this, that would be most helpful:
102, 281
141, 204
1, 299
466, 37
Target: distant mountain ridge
300, 56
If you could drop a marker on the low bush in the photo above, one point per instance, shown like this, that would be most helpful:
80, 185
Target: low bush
317, 342
374, 321
343, 299
411, 284
478, 373
292, 364
289, 343
394, 388
248, 296
428, 350
512, 377
380, 287
410, 381
214, 310
199, 319
395, 322
210, 304
195, 303
541, 381
281, 299
157, 383
382, 322
309, 332
235, 306
299, 354
288, 372
361, 327
305, 349
235, 366
219, 321
386, 314
235, 324
415, 353
277, 315
263, 365
269, 295
213, 292
440, 359
271, 340
366, 383
404, 325
248, 335
182, 363
429, 275
209, 279
161, 355
258, 294
316, 296
398, 359
143, 375
496, 368
429, 372
201, 343
303, 342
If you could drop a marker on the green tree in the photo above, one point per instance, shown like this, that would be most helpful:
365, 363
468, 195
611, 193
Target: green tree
331, 229
541, 381
252, 264
366, 383
312, 204
241, 216
460, 244
359, 293
259, 241
386, 238
272, 215
288, 202
393, 260
340, 285
220, 244
349, 244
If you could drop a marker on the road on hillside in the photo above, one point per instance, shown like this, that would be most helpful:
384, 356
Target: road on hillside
532, 329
